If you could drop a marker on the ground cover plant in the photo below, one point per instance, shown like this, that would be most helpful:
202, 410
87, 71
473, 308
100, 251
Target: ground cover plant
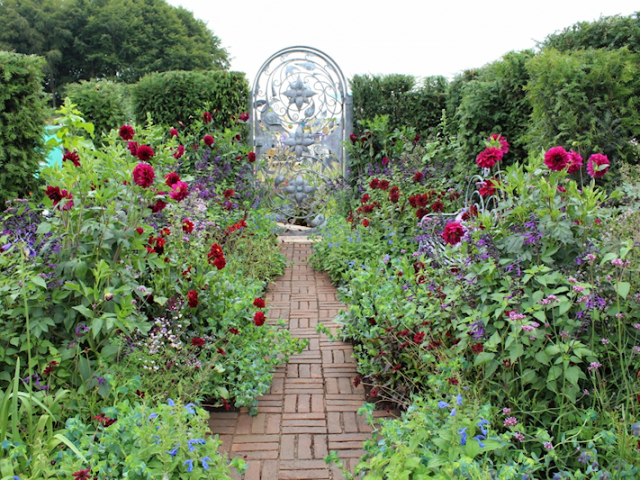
131, 297
520, 297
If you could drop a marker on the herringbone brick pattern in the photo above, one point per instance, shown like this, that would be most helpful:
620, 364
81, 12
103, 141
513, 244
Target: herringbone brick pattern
311, 407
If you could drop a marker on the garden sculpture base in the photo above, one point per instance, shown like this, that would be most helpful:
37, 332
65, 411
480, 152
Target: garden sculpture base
311, 407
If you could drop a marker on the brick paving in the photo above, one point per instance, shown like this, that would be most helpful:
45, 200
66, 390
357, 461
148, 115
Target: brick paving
311, 407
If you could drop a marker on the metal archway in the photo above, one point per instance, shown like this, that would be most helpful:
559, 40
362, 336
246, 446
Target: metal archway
300, 119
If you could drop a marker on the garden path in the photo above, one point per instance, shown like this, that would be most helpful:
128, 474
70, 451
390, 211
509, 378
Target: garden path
311, 407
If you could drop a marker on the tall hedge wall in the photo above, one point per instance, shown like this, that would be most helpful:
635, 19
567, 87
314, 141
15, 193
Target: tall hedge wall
23, 112
588, 100
406, 101
172, 97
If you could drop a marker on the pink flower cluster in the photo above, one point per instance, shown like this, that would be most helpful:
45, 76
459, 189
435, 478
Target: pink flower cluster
558, 159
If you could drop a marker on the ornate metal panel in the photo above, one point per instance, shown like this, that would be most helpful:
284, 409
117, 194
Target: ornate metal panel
300, 120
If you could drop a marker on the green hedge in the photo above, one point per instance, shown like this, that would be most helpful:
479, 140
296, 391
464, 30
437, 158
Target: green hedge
104, 103
23, 112
588, 100
495, 101
407, 102
172, 97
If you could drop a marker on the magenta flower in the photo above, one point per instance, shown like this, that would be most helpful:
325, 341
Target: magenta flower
504, 145
489, 157
179, 191
598, 165
575, 162
556, 159
143, 175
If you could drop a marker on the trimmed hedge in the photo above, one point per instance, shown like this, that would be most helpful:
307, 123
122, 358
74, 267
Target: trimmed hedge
23, 112
172, 97
407, 102
588, 100
104, 103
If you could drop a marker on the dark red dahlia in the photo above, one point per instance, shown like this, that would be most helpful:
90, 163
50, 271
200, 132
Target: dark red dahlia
143, 174
187, 226
477, 348
208, 140
82, 474
192, 296
206, 117
417, 177
374, 184
384, 184
259, 319
126, 132
251, 156
437, 206
144, 152
230, 192
179, 152
179, 191
54, 194
133, 148
173, 132
197, 342
72, 157
365, 222
258, 303
489, 157
556, 158
354, 138
171, 178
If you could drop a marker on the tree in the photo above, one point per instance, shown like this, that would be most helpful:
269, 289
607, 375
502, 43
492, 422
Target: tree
115, 39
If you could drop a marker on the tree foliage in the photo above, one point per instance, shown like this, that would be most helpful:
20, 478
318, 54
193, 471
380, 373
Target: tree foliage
22, 115
116, 39
608, 32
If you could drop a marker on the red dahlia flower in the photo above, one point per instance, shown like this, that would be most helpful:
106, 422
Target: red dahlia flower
82, 474
504, 145
437, 206
229, 193
477, 348
133, 148
598, 165
418, 337
374, 184
489, 157
206, 117
197, 342
417, 177
488, 189
394, 194
144, 152
354, 138
54, 194
73, 157
193, 299
140, 230
421, 212
143, 174
453, 233
416, 139
244, 116
187, 226
251, 156
126, 132
259, 319
158, 206
365, 198
258, 303
179, 152
556, 159
179, 191
173, 132
575, 162
384, 184
208, 140
171, 178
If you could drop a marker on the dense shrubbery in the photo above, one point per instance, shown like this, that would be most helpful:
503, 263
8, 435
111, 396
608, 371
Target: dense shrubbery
174, 97
133, 284
104, 103
521, 296
23, 113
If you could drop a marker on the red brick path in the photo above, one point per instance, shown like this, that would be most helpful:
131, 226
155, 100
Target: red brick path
311, 407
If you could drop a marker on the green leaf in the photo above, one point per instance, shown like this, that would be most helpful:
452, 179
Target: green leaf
39, 281
43, 228
622, 288
483, 357
573, 375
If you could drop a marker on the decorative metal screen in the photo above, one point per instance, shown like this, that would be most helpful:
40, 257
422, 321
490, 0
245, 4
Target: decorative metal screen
301, 115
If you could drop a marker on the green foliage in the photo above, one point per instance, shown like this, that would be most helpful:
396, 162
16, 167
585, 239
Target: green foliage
400, 97
494, 101
123, 39
104, 103
587, 100
23, 113
173, 97
607, 32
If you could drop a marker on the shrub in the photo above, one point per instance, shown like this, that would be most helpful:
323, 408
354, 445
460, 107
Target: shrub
173, 97
495, 101
104, 103
407, 102
23, 113
588, 100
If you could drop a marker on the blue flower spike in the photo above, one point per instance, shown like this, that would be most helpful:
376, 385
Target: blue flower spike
442, 404
479, 438
171, 403
481, 424
463, 435
173, 452
190, 467
153, 415
204, 461
453, 413
190, 408
459, 400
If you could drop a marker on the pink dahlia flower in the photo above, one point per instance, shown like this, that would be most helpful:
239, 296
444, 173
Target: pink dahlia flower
598, 165
556, 159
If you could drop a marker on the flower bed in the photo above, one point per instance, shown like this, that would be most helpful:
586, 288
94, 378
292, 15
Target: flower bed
507, 327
